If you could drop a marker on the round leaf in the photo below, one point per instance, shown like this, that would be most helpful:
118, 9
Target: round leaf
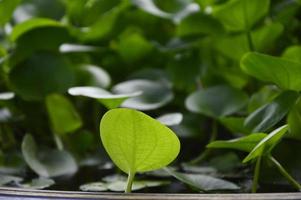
218, 101
154, 94
136, 142
47, 163
109, 99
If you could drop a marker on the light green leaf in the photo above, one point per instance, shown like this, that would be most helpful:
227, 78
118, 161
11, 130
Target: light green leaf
266, 145
63, 116
78, 48
136, 142
282, 72
217, 101
45, 162
203, 182
246, 143
241, 15
154, 94
7, 8
109, 99
270, 114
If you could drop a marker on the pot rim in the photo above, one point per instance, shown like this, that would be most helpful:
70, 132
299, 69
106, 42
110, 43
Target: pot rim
30, 193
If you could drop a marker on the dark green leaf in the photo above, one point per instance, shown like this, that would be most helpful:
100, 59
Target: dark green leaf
154, 94
270, 114
294, 121
218, 101
32, 80
7, 8
203, 182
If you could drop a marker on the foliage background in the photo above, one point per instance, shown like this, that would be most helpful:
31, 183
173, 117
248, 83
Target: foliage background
194, 52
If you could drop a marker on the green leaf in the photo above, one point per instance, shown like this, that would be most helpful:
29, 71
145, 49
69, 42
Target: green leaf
203, 182
38, 183
263, 96
294, 121
140, 47
30, 25
246, 143
7, 8
103, 25
109, 99
241, 15
32, 81
217, 101
270, 114
282, 72
154, 94
46, 162
266, 145
198, 24
63, 116
93, 75
136, 142
234, 124
293, 53
263, 38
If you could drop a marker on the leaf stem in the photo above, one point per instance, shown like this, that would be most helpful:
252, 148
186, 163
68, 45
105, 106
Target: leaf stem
130, 181
256, 174
207, 152
58, 142
289, 178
